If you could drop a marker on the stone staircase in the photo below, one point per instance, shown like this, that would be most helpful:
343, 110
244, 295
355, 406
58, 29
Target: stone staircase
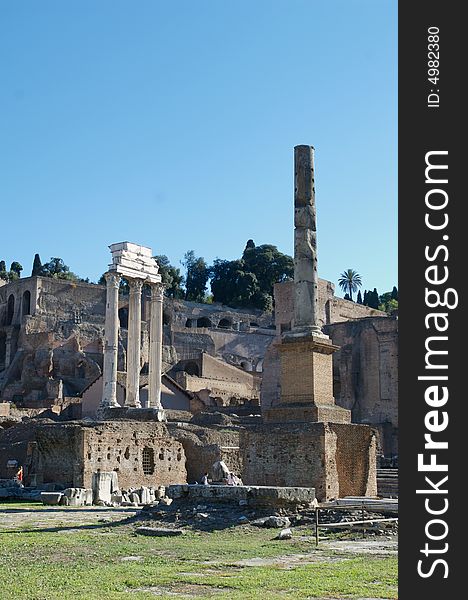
387, 483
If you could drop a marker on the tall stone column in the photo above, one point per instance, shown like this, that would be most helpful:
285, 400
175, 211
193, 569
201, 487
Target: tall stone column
111, 340
155, 348
134, 344
305, 243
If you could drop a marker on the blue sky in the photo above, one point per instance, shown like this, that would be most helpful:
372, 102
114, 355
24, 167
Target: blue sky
172, 124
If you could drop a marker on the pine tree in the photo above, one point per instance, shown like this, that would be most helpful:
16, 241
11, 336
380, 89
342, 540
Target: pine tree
359, 298
395, 293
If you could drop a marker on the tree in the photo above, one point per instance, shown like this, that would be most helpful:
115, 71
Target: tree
37, 266
268, 264
171, 277
347, 297
196, 277
395, 293
231, 285
359, 297
350, 281
3, 271
373, 299
57, 269
15, 267
249, 281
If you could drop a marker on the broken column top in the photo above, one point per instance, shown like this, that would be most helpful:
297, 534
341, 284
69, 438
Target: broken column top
134, 262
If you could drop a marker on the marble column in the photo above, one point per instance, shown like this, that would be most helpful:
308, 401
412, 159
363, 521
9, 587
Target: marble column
305, 243
111, 341
155, 346
134, 344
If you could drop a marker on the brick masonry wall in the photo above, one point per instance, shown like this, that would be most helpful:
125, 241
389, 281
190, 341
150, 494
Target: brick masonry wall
118, 446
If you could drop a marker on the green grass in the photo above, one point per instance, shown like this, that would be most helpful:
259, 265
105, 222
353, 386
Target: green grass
86, 563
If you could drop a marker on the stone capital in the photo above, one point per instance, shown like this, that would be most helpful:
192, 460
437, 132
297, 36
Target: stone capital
136, 285
112, 279
157, 292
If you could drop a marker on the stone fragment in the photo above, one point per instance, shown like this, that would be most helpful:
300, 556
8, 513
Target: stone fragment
51, 498
242, 520
135, 498
284, 534
166, 501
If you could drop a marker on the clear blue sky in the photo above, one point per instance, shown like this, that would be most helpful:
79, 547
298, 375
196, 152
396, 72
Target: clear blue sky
172, 124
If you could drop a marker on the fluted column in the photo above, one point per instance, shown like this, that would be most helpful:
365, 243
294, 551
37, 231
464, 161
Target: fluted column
134, 344
111, 340
155, 346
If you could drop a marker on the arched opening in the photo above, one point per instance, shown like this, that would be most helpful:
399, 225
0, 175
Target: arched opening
188, 323
247, 366
191, 368
123, 317
204, 322
147, 459
10, 309
26, 303
225, 324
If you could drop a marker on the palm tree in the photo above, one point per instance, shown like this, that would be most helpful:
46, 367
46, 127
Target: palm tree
350, 281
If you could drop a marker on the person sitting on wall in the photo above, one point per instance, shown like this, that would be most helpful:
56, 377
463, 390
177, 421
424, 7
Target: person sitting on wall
231, 479
205, 479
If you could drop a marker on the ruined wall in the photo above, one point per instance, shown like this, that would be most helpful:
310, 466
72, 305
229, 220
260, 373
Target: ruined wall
285, 455
120, 446
355, 477
60, 454
205, 445
330, 308
365, 373
334, 459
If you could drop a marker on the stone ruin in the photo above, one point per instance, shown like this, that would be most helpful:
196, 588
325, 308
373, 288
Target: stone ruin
301, 438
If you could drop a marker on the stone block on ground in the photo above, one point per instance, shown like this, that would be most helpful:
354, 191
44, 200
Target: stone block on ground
284, 534
51, 498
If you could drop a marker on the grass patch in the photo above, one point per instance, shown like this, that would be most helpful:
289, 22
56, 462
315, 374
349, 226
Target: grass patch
109, 562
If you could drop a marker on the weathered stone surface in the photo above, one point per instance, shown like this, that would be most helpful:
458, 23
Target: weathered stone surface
159, 531
104, 483
285, 534
78, 496
51, 498
253, 495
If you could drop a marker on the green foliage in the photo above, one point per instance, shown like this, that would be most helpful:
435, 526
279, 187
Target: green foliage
13, 274
57, 269
395, 293
249, 281
349, 282
388, 302
373, 299
171, 277
15, 267
359, 297
196, 278
37, 266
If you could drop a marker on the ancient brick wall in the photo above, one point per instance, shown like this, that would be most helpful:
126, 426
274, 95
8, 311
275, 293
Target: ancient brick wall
335, 459
355, 477
141, 453
284, 455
